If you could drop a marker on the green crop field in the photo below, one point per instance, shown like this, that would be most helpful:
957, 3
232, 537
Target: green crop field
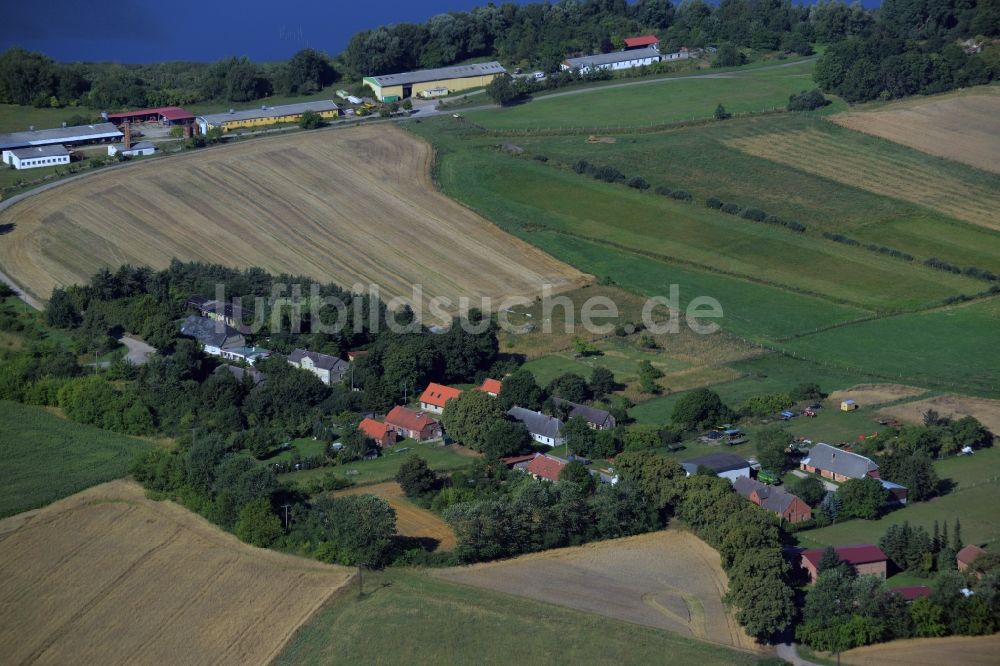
953, 347
409, 617
47, 458
365, 472
622, 357
972, 499
660, 101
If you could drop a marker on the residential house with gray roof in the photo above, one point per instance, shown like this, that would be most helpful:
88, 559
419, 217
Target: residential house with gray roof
214, 336
329, 369
544, 429
836, 464
598, 419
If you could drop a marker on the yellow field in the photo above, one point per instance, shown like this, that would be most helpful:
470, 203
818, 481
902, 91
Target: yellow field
107, 576
960, 127
669, 579
411, 520
874, 394
348, 206
955, 406
965, 650
823, 154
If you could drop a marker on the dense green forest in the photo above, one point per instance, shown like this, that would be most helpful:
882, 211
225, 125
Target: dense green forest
905, 47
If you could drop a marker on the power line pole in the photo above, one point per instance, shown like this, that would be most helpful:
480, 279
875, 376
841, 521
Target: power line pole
286, 507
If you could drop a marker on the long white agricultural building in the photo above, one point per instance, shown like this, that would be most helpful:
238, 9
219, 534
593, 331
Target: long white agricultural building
61, 135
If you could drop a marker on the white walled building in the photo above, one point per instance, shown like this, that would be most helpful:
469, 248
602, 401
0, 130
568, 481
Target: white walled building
37, 156
136, 150
614, 61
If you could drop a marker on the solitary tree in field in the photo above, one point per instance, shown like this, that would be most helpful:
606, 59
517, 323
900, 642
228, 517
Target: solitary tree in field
721, 113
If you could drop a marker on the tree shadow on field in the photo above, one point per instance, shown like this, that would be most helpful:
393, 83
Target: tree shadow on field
7, 228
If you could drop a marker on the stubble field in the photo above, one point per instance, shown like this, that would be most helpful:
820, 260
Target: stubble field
928, 652
960, 127
107, 576
669, 579
411, 520
348, 206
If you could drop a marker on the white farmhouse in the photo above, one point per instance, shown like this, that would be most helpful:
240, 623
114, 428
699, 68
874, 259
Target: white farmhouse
36, 156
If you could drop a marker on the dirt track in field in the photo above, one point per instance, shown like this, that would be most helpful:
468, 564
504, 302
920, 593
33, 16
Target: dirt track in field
107, 576
964, 128
955, 406
669, 579
875, 394
964, 650
411, 520
349, 206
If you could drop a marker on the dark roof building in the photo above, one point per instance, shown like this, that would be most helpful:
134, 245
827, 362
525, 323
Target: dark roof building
63, 135
543, 428
728, 465
240, 373
776, 500
614, 60
838, 465
597, 418
214, 335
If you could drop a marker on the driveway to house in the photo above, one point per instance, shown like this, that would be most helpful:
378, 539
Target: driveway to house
138, 351
829, 485
789, 653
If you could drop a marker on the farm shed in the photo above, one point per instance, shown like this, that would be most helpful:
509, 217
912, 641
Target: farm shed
642, 42
491, 386
597, 419
67, 136
436, 396
867, 560
786, 505
544, 429
329, 369
136, 150
381, 433
832, 463
621, 59
38, 156
415, 425
394, 87
266, 115
848, 406
727, 465
165, 115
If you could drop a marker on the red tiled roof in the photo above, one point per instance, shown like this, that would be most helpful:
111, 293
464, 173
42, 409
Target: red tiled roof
408, 419
546, 467
510, 461
168, 112
374, 429
439, 394
644, 40
969, 554
912, 592
356, 353
854, 555
491, 386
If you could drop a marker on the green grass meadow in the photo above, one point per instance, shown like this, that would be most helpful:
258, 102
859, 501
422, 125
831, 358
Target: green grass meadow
658, 101
409, 617
47, 458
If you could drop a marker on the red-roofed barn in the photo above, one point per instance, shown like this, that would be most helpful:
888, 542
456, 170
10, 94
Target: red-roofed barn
167, 115
491, 386
415, 425
383, 434
967, 556
641, 42
545, 467
866, 559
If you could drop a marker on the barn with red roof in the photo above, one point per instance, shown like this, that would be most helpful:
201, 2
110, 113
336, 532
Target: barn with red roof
165, 115
865, 558
383, 434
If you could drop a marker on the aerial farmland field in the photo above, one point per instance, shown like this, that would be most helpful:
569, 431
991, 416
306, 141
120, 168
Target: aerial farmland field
964, 126
411, 520
970, 650
348, 206
107, 576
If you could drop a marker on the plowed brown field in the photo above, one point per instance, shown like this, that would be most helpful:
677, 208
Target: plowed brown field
109, 577
349, 206
965, 650
669, 579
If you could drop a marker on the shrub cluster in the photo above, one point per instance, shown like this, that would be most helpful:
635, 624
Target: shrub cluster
807, 100
872, 247
638, 182
680, 195
755, 214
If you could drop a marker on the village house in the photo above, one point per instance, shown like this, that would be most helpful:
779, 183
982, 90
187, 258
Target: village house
912, 593
381, 433
778, 501
436, 396
214, 336
897, 493
832, 463
544, 429
248, 355
727, 465
415, 425
329, 369
232, 315
545, 466
867, 560
597, 419
965, 557
492, 386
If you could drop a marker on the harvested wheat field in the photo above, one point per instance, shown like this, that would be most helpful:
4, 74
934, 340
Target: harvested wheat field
876, 168
956, 406
348, 206
965, 650
411, 520
107, 576
964, 128
669, 579
875, 394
